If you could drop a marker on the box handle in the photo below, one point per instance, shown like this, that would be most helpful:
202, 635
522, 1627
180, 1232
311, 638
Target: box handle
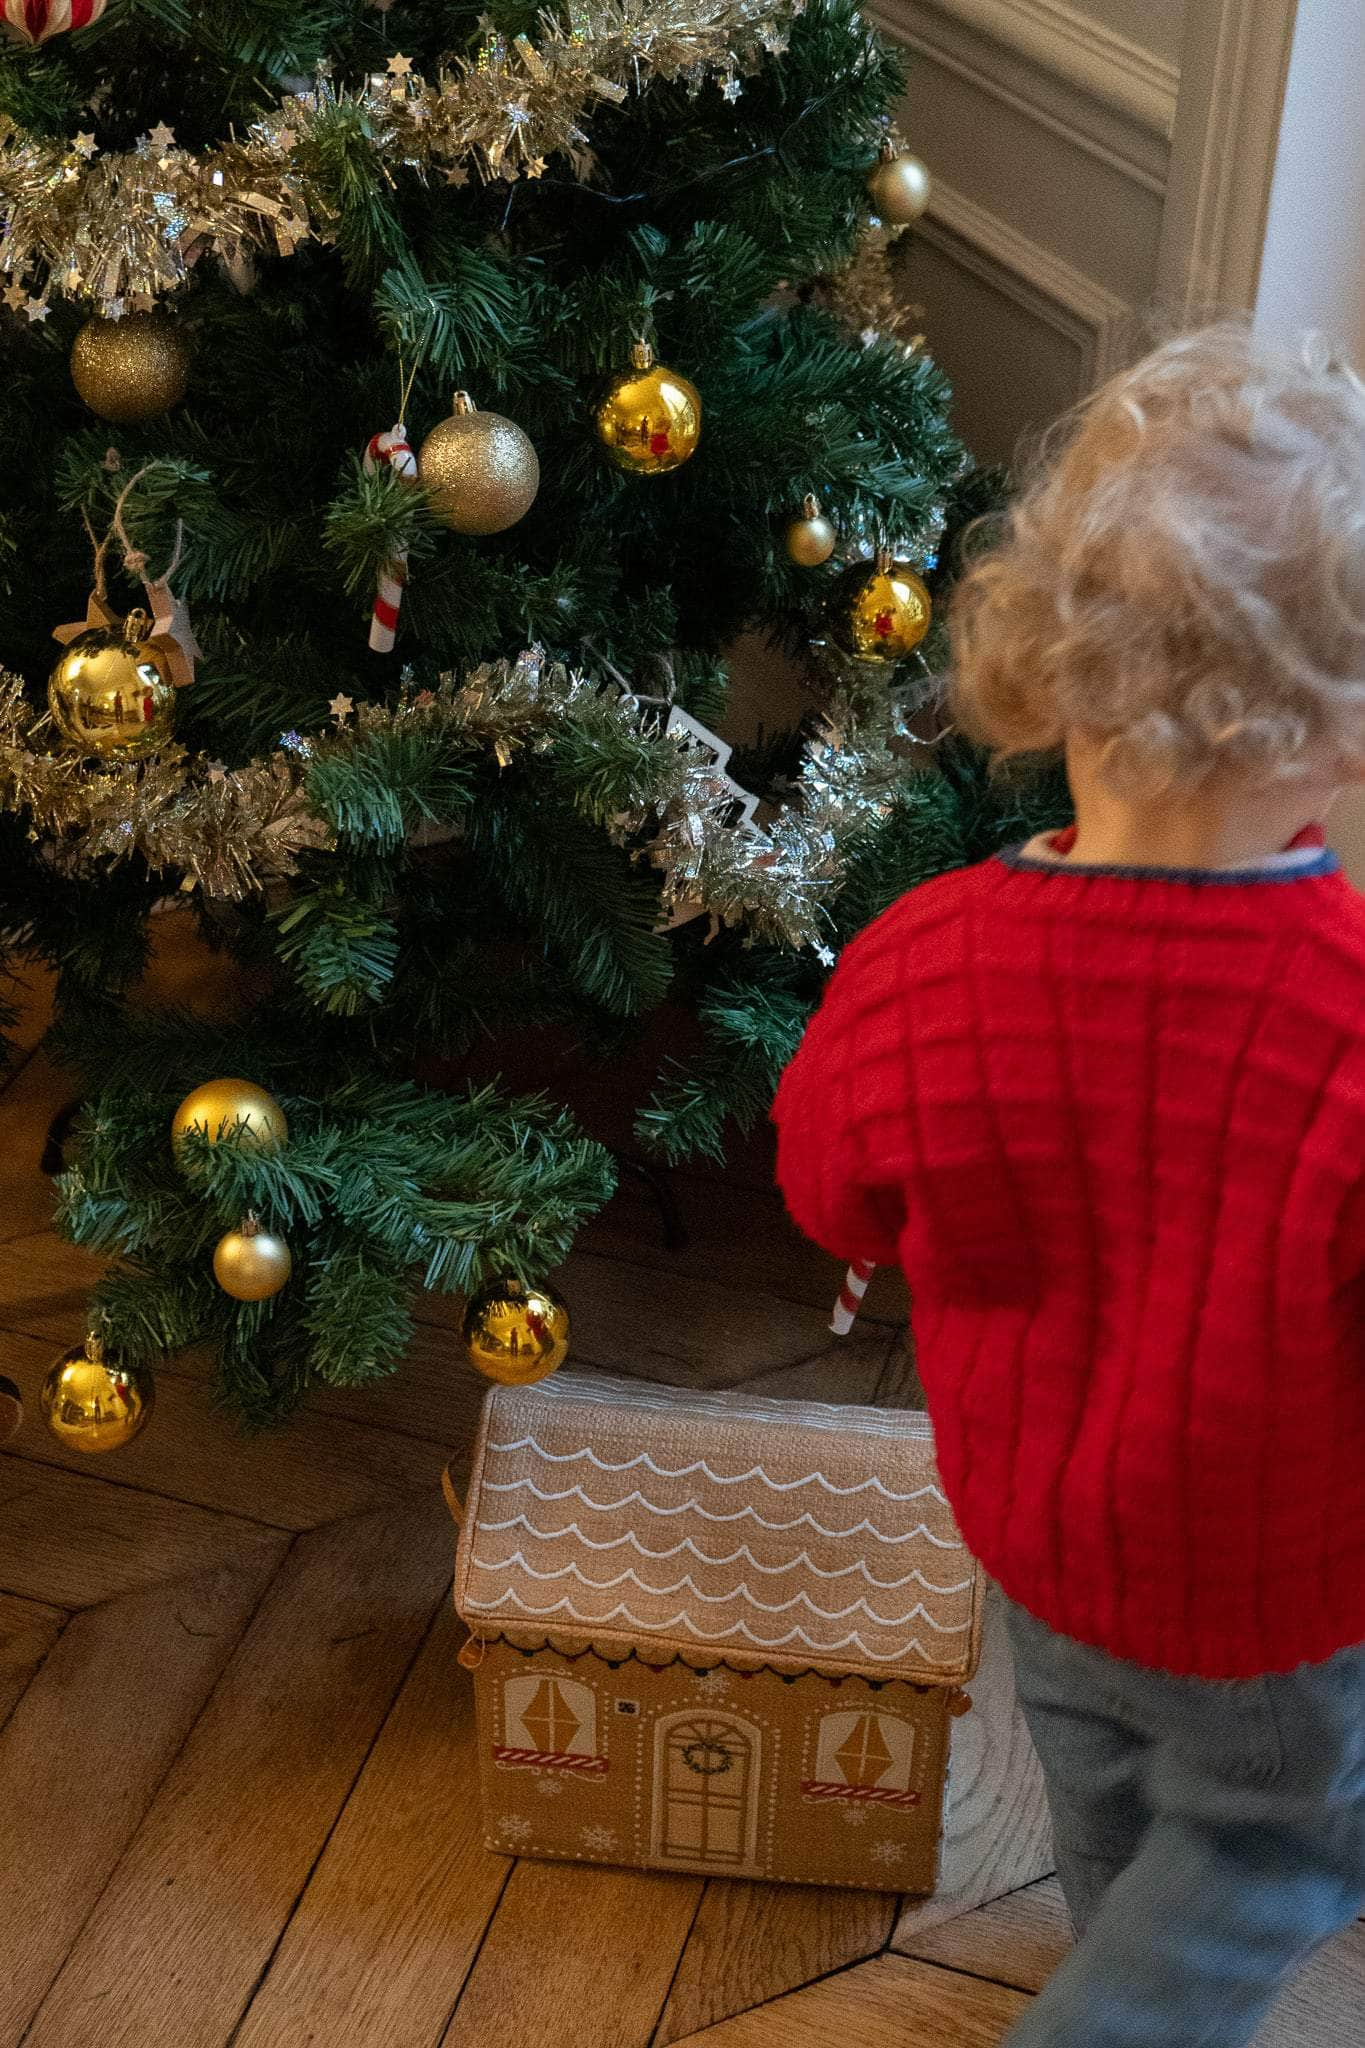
453, 1501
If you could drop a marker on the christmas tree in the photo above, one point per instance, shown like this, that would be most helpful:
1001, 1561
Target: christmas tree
468, 385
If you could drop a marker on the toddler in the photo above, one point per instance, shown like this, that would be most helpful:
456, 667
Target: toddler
1103, 1098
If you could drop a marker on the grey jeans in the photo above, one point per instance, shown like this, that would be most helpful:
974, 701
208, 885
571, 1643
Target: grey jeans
1209, 1838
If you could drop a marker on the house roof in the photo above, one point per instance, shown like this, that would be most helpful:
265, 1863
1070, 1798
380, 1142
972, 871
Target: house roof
798, 1535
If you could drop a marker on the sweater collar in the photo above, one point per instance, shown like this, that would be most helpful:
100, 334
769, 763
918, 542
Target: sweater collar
1306, 856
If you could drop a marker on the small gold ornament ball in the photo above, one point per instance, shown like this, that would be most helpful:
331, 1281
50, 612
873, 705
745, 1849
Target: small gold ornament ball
251, 1264
899, 187
810, 540
231, 1108
91, 1404
480, 470
111, 691
11, 1410
650, 419
515, 1334
882, 610
130, 369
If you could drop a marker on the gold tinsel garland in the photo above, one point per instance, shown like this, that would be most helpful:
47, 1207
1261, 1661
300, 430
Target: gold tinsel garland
233, 831
122, 229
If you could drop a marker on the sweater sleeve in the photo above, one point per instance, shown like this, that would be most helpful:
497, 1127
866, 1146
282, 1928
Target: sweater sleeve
825, 1170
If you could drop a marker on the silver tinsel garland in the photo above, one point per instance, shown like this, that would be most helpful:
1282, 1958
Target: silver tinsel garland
231, 832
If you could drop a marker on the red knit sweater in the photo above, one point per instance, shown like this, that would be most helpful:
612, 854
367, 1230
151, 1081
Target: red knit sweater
1112, 1125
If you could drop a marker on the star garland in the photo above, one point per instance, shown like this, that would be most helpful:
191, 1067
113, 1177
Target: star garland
122, 229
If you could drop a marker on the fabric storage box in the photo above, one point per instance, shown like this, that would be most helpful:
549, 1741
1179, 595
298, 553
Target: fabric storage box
714, 1633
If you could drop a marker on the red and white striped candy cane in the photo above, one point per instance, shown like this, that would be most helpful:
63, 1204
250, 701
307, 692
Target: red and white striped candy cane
391, 450
851, 1295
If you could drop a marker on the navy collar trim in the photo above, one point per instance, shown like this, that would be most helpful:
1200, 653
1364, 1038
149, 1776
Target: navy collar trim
1324, 862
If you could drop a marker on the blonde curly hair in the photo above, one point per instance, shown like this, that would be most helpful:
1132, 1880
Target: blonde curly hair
1184, 584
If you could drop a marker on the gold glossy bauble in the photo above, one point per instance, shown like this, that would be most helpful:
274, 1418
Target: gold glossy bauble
881, 610
899, 187
810, 539
91, 1404
130, 369
232, 1108
481, 472
650, 418
11, 1410
515, 1334
251, 1264
111, 692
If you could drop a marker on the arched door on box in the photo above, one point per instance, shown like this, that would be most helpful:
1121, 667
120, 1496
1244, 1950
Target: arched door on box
707, 1771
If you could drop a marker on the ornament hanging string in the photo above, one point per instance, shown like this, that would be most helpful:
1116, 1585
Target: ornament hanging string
172, 634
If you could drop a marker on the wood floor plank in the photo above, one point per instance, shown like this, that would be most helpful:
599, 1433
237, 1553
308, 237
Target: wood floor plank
734, 1232
316, 1469
394, 1913
28, 1629
1018, 1939
73, 1539
45, 1284
890, 2002
578, 1956
85, 1751
33, 1098
849, 1370
996, 1832
212, 1874
752, 1942
683, 1332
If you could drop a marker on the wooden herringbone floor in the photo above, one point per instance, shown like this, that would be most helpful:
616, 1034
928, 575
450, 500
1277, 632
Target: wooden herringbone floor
236, 1755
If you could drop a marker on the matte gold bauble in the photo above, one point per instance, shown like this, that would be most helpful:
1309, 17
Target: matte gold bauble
881, 610
899, 187
111, 692
515, 1334
810, 540
11, 1410
650, 418
251, 1264
91, 1404
130, 369
233, 1109
480, 471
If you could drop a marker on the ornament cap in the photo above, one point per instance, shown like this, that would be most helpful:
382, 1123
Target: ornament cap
94, 1347
888, 152
884, 559
250, 1225
810, 506
462, 404
136, 627
641, 354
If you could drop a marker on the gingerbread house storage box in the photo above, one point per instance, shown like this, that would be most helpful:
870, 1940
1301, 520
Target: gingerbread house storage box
713, 1633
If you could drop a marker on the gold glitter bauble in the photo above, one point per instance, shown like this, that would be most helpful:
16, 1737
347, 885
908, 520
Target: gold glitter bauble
899, 187
515, 1334
93, 1405
881, 610
810, 540
480, 470
130, 369
232, 1108
251, 1264
650, 420
111, 692
11, 1410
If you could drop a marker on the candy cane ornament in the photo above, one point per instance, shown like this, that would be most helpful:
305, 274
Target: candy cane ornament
390, 451
851, 1296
